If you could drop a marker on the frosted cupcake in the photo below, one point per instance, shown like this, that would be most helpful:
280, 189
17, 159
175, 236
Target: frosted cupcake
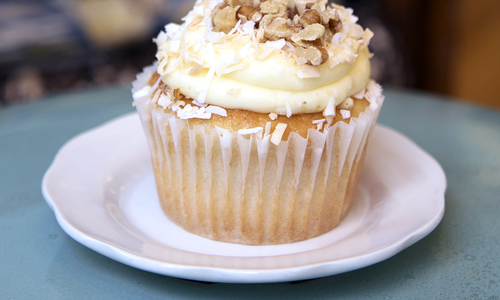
258, 115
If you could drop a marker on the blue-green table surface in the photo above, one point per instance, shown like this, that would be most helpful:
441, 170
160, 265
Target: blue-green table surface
458, 260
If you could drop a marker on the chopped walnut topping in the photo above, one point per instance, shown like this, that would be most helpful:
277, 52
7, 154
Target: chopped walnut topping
224, 18
306, 25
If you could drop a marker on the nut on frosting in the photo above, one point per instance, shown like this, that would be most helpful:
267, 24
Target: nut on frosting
275, 53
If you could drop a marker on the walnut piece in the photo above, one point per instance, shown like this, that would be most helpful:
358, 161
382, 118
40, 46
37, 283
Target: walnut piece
274, 6
309, 17
311, 55
335, 24
279, 28
232, 3
223, 18
250, 13
302, 5
309, 33
235, 3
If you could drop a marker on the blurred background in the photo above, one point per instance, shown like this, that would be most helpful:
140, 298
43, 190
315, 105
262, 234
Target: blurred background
449, 47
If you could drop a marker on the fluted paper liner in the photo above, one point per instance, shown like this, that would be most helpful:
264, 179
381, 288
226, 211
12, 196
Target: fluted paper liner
244, 189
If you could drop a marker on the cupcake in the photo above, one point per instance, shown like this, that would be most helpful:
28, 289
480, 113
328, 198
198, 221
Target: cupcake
258, 114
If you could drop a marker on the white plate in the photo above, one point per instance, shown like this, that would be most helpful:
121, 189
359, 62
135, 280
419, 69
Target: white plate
101, 189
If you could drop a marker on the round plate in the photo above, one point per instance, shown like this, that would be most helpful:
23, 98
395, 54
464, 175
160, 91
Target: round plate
102, 191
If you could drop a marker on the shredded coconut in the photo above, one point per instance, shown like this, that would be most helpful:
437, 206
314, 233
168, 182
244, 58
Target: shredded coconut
273, 116
216, 110
235, 28
278, 133
288, 109
336, 39
315, 122
164, 101
330, 108
250, 131
267, 51
199, 104
278, 45
346, 114
248, 28
141, 93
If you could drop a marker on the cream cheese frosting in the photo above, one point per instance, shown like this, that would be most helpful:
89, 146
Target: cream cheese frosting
242, 69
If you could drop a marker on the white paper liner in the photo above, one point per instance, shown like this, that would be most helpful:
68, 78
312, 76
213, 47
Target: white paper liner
244, 189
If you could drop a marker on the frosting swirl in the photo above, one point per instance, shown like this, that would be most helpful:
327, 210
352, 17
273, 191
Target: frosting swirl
244, 69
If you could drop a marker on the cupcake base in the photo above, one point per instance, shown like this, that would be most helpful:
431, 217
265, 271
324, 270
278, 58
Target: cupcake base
244, 189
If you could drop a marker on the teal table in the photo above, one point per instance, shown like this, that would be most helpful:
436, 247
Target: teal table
459, 260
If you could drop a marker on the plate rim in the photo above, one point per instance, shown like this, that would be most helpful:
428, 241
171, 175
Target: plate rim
238, 275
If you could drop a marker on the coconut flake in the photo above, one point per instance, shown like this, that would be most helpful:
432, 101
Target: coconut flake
156, 96
248, 28
330, 108
245, 50
171, 29
161, 38
199, 104
288, 109
216, 37
164, 101
346, 114
175, 45
141, 93
234, 28
367, 36
273, 116
278, 45
315, 122
278, 133
266, 53
373, 92
250, 131
336, 39
195, 70
216, 110
206, 85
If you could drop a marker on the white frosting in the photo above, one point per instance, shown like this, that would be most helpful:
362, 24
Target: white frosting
208, 66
